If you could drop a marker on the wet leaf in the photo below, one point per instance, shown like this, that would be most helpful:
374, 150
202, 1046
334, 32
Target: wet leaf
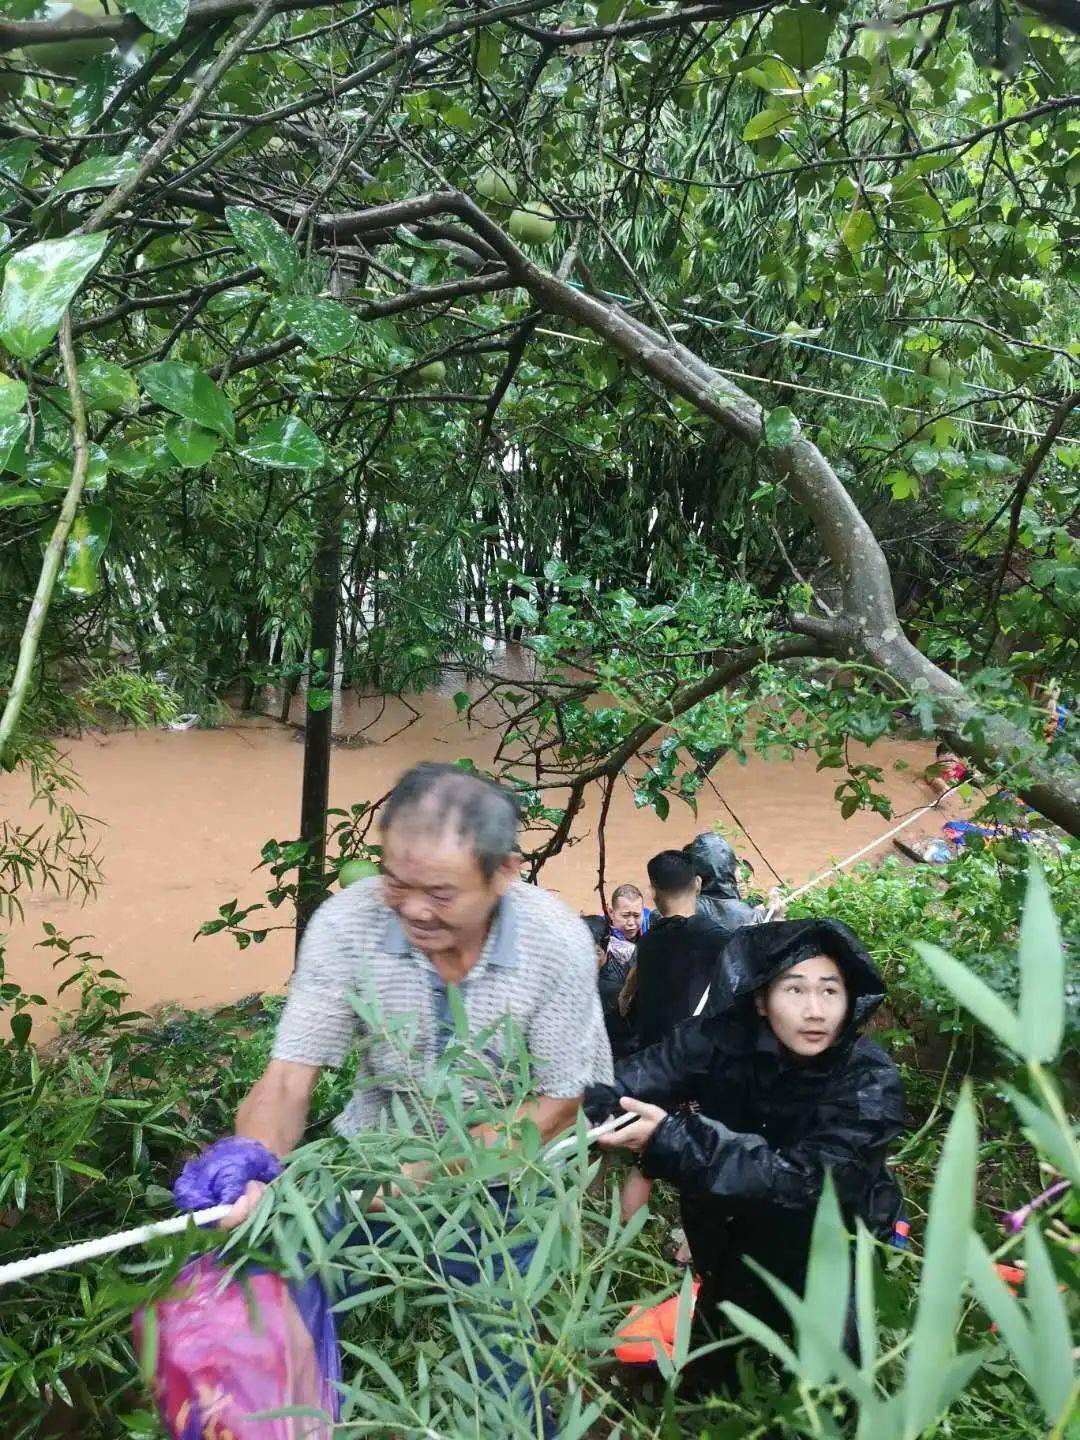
86, 544
164, 17
779, 427
324, 326
285, 444
264, 241
12, 429
190, 393
101, 171
191, 444
39, 284
13, 395
801, 36
106, 386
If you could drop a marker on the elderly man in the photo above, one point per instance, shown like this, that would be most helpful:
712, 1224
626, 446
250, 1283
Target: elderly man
448, 909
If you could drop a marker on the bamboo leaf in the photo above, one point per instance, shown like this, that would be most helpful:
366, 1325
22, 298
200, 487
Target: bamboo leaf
1042, 973
828, 1283
1053, 1372
40, 282
952, 1209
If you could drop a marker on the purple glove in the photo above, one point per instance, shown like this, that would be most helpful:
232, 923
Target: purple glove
219, 1175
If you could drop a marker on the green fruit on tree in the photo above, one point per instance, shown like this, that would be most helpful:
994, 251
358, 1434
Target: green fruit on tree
534, 226
432, 374
354, 870
493, 184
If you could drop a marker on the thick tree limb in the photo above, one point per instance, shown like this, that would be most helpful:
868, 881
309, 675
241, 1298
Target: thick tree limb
868, 626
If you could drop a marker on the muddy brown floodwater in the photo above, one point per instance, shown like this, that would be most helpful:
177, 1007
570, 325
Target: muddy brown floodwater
183, 816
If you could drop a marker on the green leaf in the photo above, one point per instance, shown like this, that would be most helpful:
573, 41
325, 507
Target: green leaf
461, 702
190, 393
766, 1337
324, 326
488, 52
941, 1289
12, 430
190, 443
20, 1028
86, 542
997, 1300
769, 121
1053, 1371
106, 386
285, 444
902, 485
164, 17
1042, 973
14, 496
319, 699
801, 36
1058, 1146
858, 229
13, 395
825, 1296
95, 82
865, 1305
680, 1351
264, 242
39, 284
779, 427
974, 995
101, 171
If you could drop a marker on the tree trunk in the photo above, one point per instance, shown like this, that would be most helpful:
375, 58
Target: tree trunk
315, 793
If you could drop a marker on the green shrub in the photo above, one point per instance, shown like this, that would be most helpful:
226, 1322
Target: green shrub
971, 906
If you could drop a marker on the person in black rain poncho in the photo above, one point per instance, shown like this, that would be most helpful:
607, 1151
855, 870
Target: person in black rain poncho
716, 865
787, 1088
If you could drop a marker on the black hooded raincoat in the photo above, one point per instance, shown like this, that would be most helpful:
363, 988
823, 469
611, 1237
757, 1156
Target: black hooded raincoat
750, 1161
716, 863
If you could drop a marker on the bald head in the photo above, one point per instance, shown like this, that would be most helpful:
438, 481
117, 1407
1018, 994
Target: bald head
444, 802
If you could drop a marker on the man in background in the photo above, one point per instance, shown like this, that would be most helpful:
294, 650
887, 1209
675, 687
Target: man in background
716, 865
629, 916
677, 961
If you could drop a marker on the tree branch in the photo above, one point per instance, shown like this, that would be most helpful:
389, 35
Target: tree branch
54, 551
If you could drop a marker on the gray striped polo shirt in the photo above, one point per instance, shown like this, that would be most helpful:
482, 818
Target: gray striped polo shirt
538, 966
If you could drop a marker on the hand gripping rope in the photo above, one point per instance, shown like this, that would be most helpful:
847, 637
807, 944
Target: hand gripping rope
70, 1255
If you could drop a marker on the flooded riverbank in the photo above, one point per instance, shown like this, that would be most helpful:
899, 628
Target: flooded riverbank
183, 816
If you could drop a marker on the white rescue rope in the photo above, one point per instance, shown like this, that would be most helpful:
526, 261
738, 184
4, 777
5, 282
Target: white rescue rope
109, 1244
69, 1255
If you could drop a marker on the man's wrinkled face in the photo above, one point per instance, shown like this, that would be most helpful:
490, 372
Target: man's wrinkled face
626, 916
806, 1006
434, 884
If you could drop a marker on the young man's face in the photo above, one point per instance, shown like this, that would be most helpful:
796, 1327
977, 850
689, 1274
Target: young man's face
806, 1006
626, 916
437, 889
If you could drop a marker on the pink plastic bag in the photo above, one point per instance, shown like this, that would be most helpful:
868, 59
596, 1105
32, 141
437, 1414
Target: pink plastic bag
228, 1349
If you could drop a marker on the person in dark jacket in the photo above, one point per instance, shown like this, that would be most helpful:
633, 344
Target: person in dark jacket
677, 959
676, 963
716, 865
615, 962
787, 1089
